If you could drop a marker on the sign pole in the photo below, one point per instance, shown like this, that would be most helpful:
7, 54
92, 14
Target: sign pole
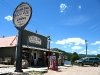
19, 53
21, 17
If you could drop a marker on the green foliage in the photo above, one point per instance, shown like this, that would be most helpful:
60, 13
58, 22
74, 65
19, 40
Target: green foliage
98, 55
74, 57
66, 54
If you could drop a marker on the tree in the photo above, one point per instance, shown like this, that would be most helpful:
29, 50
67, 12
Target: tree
66, 54
74, 57
98, 55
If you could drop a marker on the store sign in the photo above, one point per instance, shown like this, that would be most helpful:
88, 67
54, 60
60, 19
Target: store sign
22, 15
34, 39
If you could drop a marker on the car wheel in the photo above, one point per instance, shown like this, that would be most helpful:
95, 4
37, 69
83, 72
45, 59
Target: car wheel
80, 64
95, 64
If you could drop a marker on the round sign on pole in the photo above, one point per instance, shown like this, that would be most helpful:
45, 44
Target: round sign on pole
22, 15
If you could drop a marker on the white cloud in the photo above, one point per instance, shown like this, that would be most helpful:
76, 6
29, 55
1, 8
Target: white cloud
62, 42
96, 43
76, 47
65, 46
93, 52
98, 48
82, 52
51, 42
8, 18
79, 6
74, 41
63, 7
88, 52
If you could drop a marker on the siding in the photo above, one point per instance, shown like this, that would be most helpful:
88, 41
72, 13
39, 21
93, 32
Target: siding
8, 52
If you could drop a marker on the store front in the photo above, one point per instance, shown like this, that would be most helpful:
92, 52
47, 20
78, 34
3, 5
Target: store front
34, 49
36, 57
37, 46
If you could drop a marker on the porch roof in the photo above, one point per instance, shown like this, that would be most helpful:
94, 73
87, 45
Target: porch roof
42, 49
32, 47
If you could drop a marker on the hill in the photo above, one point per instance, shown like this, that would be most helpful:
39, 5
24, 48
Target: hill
68, 55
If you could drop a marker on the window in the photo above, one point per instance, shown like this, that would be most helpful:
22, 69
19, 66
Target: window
91, 58
96, 58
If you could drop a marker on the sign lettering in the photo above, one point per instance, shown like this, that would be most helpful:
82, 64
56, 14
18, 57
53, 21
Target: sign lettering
34, 39
22, 15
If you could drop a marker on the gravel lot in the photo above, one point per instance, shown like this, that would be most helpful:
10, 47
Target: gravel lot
76, 70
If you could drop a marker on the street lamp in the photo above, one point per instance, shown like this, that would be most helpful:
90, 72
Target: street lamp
86, 47
49, 51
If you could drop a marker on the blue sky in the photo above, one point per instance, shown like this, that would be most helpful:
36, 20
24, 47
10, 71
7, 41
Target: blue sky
68, 22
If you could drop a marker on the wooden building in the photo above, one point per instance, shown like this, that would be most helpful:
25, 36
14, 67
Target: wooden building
34, 49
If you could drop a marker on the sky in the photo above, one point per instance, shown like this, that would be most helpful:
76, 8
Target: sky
68, 22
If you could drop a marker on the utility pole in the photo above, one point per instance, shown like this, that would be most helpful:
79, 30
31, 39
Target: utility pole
86, 47
49, 51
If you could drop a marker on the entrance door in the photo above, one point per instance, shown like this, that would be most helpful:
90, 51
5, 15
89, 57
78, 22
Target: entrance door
35, 57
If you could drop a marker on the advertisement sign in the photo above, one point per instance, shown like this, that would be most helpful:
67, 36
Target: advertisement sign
22, 15
34, 39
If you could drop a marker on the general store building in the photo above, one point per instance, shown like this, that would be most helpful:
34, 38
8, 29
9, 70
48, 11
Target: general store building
34, 49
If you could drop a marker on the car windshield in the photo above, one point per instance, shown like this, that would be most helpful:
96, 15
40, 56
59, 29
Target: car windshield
83, 58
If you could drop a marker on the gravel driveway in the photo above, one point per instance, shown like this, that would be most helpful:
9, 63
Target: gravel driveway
76, 70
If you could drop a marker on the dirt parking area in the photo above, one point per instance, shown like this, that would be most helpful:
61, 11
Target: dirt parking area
76, 70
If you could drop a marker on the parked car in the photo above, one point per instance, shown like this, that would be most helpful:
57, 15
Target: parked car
93, 61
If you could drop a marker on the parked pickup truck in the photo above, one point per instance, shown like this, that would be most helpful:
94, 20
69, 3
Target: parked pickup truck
93, 61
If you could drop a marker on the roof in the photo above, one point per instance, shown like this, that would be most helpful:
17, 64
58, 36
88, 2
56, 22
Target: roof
8, 41
12, 41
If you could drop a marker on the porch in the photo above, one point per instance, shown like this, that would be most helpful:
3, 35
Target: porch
36, 57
